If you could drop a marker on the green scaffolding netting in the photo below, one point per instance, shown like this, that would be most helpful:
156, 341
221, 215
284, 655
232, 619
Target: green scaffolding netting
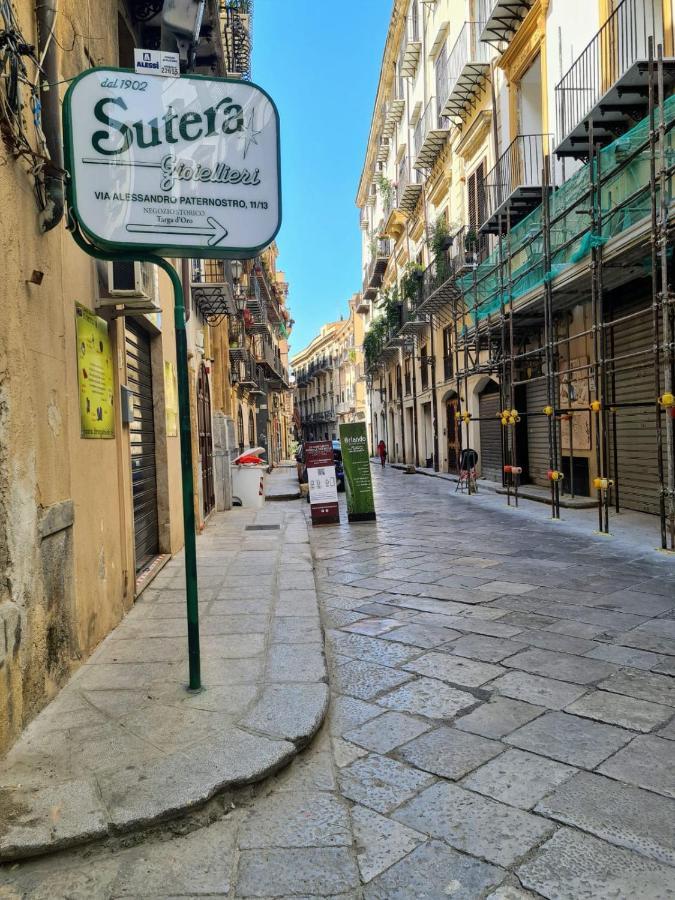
623, 199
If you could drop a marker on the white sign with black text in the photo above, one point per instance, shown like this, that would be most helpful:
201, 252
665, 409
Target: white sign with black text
157, 62
322, 485
183, 166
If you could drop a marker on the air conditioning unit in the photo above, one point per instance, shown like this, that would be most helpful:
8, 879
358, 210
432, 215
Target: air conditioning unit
129, 279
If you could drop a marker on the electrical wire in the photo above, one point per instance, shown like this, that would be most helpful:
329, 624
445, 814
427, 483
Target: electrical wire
18, 92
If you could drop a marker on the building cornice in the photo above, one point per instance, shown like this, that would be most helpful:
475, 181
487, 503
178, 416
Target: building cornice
394, 33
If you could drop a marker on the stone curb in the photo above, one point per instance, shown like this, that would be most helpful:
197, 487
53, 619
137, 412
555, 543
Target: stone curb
38, 820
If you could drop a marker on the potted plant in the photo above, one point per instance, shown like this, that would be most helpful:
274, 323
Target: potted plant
441, 239
470, 241
410, 283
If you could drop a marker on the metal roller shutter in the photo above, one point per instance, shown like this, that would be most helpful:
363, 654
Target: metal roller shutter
537, 433
637, 472
142, 439
490, 458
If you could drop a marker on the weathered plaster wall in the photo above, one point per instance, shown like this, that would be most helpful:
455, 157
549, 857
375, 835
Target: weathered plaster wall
66, 538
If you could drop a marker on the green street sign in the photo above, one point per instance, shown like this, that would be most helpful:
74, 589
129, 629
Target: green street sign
175, 166
356, 464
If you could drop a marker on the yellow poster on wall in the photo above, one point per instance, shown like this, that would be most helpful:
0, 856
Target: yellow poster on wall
170, 399
94, 375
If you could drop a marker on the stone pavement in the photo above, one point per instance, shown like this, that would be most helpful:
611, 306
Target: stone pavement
124, 743
282, 483
501, 725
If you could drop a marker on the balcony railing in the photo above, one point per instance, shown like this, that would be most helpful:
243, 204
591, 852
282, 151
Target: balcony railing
392, 115
271, 362
409, 186
377, 266
412, 41
514, 187
468, 66
502, 19
431, 133
607, 82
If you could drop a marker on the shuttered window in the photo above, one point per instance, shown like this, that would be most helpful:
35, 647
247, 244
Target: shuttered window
476, 205
142, 440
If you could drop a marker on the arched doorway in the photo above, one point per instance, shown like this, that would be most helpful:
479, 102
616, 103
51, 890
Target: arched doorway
205, 439
453, 431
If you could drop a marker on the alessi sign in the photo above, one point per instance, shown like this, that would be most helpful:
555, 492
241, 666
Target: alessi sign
185, 166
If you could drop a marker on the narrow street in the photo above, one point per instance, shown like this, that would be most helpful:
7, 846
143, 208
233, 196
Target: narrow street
501, 725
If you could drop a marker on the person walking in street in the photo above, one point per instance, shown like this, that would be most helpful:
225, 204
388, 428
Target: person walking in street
382, 452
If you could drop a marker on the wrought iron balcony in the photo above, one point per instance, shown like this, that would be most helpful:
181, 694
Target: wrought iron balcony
502, 19
245, 374
377, 266
238, 347
392, 115
409, 186
608, 83
271, 364
363, 305
431, 133
211, 291
514, 187
412, 41
257, 321
468, 68
383, 149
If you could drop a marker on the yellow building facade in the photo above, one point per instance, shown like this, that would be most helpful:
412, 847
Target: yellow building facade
478, 151
329, 377
90, 476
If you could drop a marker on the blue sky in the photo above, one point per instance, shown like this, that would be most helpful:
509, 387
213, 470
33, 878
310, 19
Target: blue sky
320, 61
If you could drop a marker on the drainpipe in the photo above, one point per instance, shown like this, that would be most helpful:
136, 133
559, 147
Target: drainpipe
50, 114
414, 393
434, 398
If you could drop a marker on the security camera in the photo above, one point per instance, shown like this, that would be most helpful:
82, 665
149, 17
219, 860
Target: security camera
181, 24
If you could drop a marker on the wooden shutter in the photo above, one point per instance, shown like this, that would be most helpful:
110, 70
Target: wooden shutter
477, 197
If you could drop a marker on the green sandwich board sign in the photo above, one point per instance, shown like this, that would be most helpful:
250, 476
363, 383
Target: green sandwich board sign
356, 464
181, 166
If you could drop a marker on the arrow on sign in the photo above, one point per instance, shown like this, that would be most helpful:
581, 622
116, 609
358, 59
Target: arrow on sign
215, 233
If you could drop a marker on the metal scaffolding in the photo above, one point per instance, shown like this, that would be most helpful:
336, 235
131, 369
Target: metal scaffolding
511, 314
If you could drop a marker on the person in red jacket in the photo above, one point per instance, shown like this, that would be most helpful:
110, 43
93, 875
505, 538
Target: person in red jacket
382, 452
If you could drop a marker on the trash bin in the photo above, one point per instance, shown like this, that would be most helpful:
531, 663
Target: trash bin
248, 478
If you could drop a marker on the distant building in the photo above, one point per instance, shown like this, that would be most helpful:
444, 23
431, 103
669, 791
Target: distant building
329, 376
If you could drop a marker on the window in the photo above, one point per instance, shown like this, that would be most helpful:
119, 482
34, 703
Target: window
476, 205
406, 375
251, 429
424, 368
441, 71
240, 429
447, 352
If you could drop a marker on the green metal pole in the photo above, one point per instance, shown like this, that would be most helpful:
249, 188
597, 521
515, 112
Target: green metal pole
188, 481
185, 443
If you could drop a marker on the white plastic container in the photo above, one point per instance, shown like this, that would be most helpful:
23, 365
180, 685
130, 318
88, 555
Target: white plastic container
248, 480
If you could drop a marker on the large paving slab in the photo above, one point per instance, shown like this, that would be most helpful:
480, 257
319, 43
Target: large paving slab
569, 739
474, 824
124, 744
621, 814
573, 865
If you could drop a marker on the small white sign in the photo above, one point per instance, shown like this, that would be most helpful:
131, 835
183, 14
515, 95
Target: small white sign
183, 166
157, 62
322, 485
